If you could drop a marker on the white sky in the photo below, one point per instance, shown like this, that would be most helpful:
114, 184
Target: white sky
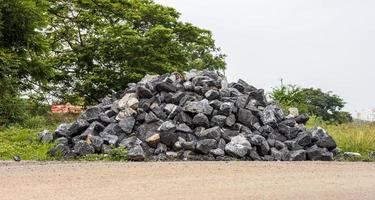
328, 44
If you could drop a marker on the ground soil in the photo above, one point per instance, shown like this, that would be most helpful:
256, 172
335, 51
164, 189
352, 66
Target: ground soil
186, 180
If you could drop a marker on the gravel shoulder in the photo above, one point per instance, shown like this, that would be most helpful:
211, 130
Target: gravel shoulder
186, 180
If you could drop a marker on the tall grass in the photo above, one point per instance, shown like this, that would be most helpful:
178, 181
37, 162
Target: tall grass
352, 137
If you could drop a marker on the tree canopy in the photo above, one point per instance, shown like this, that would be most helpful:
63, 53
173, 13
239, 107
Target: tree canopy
79, 51
102, 45
22, 49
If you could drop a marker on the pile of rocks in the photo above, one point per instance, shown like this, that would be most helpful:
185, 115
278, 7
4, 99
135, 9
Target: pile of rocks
194, 116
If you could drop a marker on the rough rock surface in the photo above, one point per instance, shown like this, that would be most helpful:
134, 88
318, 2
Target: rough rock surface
45, 136
352, 155
194, 116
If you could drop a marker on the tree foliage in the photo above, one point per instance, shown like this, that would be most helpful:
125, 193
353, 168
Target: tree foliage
81, 50
22, 49
102, 45
312, 101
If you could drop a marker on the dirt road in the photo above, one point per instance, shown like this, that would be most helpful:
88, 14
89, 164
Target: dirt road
187, 180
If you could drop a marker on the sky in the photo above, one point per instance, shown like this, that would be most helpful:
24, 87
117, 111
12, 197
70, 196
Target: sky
327, 44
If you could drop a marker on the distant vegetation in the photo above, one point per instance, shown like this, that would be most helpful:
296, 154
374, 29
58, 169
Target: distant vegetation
312, 101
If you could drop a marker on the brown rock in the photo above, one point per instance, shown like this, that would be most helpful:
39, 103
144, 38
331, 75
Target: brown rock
153, 140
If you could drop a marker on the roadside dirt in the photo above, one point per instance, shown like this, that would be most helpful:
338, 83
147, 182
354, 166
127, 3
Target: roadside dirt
186, 180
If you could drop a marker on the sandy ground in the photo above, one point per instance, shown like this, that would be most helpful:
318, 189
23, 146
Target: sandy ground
187, 180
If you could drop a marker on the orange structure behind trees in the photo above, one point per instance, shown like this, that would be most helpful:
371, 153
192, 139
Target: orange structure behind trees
67, 108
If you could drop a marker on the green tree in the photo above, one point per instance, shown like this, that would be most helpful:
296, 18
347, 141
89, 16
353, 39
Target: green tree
102, 45
23, 48
312, 101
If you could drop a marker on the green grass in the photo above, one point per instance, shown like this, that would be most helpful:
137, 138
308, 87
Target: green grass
351, 137
20, 141
354, 137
